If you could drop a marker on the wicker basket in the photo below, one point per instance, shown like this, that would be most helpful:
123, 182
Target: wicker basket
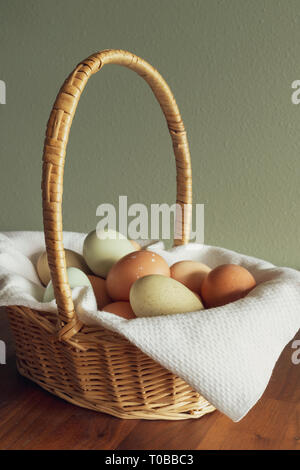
94, 367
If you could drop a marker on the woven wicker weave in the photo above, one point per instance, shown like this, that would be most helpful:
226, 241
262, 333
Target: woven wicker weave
93, 367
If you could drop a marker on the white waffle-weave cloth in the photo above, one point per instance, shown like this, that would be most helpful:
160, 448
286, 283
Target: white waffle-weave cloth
227, 354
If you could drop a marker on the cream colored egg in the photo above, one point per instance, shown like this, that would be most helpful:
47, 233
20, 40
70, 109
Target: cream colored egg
73, 259
76, 278
101, 251
155, 295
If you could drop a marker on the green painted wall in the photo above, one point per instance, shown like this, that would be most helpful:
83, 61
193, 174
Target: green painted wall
230, 65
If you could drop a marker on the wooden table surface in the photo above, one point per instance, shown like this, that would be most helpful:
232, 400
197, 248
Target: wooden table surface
31, 418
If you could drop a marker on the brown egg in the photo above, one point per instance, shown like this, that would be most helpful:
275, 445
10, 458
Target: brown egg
100, 291
225, 284
130, 268
123, 309
135, 245
190, 273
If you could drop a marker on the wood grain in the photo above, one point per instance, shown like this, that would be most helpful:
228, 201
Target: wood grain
31, 418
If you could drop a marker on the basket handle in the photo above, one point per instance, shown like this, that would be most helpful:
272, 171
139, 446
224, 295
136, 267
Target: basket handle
56, 140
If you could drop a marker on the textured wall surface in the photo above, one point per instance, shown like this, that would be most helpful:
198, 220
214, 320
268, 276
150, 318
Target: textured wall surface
230, 65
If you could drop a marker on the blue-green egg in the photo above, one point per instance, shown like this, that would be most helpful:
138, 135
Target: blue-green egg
76, 277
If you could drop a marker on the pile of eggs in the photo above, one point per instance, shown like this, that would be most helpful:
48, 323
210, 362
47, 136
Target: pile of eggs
131, 282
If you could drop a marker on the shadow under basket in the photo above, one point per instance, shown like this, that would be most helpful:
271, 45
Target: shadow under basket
93, 367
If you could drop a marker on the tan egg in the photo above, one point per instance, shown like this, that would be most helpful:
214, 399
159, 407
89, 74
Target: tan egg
156, 295
225, 284
99, 288
123, 309
135, 245
190, 273
73, 260
132, 267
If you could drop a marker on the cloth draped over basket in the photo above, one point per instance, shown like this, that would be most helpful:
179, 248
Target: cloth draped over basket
226, 354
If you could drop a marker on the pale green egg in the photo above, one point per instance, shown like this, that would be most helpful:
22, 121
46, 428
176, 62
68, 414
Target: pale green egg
156, 295
101, 251
76, 277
